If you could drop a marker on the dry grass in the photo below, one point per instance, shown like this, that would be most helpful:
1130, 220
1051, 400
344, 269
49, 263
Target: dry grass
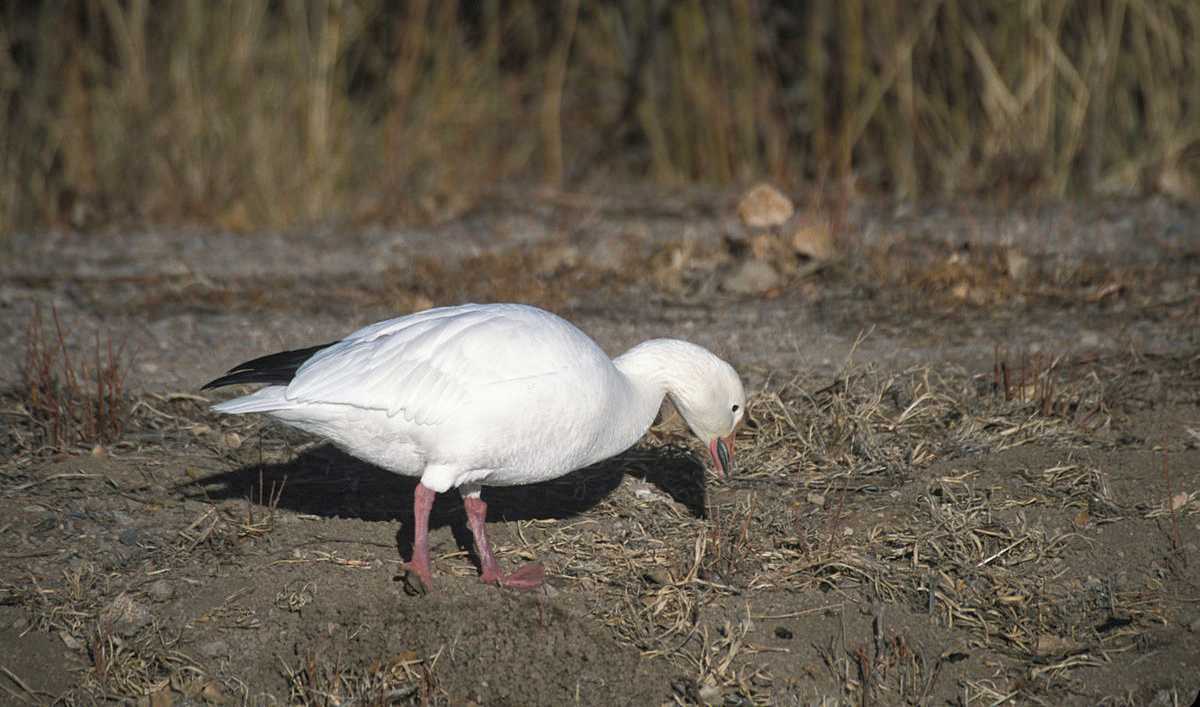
402, 679
72, 401
965, 551
860, 495
868, 494
255, 115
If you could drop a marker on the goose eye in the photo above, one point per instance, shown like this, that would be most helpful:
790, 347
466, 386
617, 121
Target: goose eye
735, 408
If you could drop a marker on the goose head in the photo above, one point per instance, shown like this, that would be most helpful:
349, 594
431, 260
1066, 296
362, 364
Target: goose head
710, 397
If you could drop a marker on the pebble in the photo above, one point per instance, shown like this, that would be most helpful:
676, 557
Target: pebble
232, 440
555, 259
128, 536
643, 492
607, 254
814, 240
710, 695
214, 649
764, 206
160, 590
212, 693
1017, 264
70, 641
816, 499
126, 615
751, 277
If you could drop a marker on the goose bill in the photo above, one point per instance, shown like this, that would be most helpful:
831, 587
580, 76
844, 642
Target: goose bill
721, 450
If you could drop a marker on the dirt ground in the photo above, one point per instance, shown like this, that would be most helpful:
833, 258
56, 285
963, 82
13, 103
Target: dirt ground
971, 476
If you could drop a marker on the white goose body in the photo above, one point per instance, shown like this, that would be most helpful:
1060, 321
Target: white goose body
488, 395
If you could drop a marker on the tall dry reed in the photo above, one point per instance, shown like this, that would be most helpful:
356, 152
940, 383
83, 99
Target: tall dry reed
250, 115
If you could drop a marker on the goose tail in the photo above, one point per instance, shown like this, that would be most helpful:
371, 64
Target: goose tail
265, 400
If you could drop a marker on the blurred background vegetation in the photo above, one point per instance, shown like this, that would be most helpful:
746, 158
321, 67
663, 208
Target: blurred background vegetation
246, 114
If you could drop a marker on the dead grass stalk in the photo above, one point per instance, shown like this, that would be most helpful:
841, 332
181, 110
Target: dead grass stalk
119, 113
71, 402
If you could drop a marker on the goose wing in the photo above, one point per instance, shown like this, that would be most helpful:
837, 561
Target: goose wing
426, 366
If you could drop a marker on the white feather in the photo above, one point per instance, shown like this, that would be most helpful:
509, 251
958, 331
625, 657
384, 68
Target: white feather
495, 394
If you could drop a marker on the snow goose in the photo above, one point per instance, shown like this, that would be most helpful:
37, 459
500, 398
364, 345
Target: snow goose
487, 395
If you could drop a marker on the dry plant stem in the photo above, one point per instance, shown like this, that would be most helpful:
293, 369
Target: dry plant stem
1177, 548
552, 128
948, 96
72, 405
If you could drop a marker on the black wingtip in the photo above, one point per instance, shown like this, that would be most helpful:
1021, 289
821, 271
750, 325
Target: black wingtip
278, 368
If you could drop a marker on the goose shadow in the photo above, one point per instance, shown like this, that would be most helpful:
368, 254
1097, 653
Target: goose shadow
326, 482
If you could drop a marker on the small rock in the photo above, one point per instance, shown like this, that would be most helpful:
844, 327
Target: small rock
1175, 180
710, 695
816, 499
1179, 500
161, 698
232, 440
1049, 644
1017, 264
214, 648
125, 615
160, 590
213, 693
1194, 626
750, 278
607, 254
19, 623
814, 240
70, 641
557, 258
655, 577
643, 492
128, 536
764, 206
685, 687
784, 632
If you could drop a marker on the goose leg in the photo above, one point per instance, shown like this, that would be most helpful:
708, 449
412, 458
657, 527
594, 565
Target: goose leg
527, 577
422, 505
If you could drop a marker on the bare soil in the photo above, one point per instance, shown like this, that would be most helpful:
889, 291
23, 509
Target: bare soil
972, 474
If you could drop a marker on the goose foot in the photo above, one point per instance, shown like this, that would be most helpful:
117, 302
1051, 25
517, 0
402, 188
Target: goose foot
417, 577
526, 578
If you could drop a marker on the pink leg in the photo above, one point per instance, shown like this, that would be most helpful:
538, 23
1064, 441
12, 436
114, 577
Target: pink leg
419, 564
527, 577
